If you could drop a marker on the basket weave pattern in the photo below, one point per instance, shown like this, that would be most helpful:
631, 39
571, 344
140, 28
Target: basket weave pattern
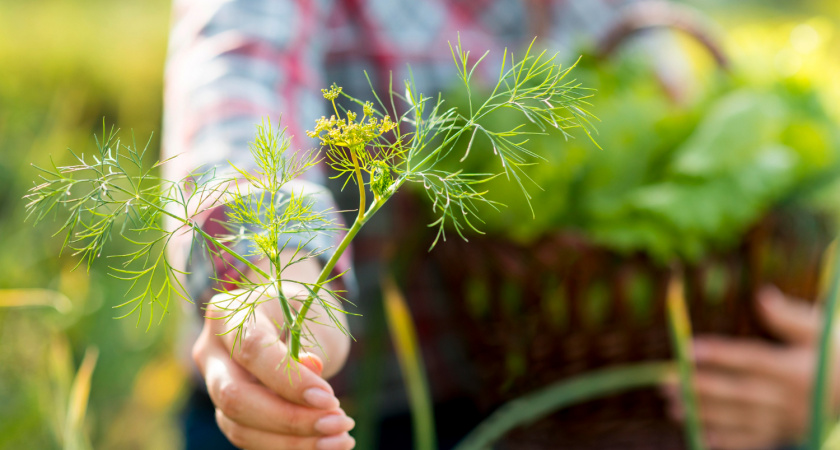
535, 314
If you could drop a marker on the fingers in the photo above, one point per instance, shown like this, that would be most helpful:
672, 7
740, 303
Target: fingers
254, 406
791, 320
712, 412
244, 437
738, 408
731, 425
718, 412
243, 400
261, 353
762, 431
726, 388
746, 356
737, 440
750, 393
724, 395
724, 415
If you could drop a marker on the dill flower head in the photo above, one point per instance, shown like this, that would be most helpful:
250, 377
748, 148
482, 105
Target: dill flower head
332, 93
348, 132
368, 109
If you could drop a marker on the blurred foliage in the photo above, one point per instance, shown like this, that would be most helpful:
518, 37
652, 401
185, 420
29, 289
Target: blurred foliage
579, 389
403, 331
682, 177
66, 66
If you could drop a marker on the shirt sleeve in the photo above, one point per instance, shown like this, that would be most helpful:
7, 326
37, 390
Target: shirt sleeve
232, 64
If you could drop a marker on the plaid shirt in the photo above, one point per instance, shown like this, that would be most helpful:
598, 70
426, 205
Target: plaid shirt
232, 63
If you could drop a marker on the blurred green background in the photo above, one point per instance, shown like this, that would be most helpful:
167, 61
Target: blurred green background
64, 65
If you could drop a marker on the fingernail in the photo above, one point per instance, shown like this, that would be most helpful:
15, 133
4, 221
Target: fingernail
334, 423
319, 398
341, 442
313, 363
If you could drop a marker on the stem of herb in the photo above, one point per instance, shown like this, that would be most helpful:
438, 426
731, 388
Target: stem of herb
361, 182
294, 347
821, 391
680, 326
404, 336
288, 316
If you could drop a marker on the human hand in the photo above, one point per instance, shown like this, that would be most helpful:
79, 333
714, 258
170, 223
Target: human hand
755, 394
258, 404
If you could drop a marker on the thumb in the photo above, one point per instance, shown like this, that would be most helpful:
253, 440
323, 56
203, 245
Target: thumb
312, 362
791, 320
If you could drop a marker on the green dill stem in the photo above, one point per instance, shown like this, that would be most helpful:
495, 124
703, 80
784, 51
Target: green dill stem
433, 154
361, 219
822, 390
284, 302
680, 330
335, 108
327, 270
361, 182
227, 250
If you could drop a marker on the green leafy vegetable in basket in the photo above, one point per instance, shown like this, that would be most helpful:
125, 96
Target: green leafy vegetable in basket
673, 181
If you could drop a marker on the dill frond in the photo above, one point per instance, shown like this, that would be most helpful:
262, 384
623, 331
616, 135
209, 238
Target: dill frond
379, 150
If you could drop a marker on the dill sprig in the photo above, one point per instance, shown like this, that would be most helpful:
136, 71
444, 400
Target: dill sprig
378, 149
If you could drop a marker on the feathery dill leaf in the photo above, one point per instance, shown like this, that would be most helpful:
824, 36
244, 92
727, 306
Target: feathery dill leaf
377, 148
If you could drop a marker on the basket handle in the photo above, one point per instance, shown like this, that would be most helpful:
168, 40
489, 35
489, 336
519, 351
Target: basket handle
655, 14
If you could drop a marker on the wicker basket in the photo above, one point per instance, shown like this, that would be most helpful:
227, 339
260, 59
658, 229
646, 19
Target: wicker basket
532, 315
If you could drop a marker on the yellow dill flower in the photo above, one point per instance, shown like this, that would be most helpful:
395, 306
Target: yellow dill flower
349, 132
368, 109
331, 93
386, 125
